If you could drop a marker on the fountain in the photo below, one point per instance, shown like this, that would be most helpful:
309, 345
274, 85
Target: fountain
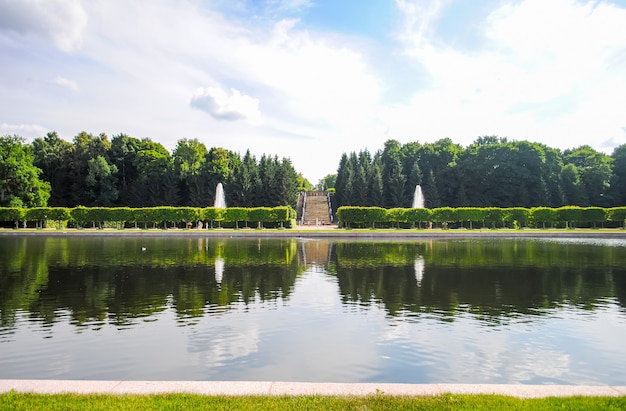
418, 197
220, 199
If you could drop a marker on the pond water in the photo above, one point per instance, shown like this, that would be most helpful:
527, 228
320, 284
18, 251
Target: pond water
434, 311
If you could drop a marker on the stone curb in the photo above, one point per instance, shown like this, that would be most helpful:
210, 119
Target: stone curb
364, 234
300, 388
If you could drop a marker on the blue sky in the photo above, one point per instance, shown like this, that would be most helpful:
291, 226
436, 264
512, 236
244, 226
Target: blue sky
312, 79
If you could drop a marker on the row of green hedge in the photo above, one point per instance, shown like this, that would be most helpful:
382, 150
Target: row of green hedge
83, 216
493, 217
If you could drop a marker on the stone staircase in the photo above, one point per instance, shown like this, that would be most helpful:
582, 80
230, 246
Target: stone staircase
316, 211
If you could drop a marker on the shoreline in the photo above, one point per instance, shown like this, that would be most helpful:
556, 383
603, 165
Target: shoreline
282, 388
324, 233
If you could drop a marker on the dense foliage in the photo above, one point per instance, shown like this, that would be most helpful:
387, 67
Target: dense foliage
478, 217
126, 171
163, 216
491, 172
20, 182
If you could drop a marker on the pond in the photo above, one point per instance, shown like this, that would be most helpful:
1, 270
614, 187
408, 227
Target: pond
428, 311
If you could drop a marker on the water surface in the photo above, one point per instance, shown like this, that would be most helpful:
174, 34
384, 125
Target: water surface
440, 311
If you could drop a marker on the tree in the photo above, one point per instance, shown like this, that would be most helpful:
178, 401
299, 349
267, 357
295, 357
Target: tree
52, 156
573, 190
343, 183
286, 184
123, 155
101, 182
431, 193
329, 181
618, 180
303, 183
20, 185
595, 169
441, 157
375, 183
189, 158
243, 183
156, 183
393, 177
265, 192
85, 147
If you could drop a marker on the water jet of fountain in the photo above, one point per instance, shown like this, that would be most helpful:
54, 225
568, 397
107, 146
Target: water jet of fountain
220, 199
418, 197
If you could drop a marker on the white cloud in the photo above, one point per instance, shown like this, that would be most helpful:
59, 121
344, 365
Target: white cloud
560, 81
28, 131
62, 21
419, 19
323, 86
224, 106
67, 83
547, 71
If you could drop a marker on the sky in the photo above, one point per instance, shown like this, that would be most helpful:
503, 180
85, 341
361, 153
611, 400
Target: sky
312, 79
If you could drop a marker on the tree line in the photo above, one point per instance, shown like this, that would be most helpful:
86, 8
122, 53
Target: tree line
94, 171
491, 172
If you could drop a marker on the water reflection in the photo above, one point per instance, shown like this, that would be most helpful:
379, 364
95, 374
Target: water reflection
123, 280
514, 311
491, 280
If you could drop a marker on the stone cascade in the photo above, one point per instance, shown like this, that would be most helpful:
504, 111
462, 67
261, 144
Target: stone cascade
316, 209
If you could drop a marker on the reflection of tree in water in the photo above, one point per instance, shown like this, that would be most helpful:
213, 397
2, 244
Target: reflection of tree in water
114, 280
99, 279
491, 280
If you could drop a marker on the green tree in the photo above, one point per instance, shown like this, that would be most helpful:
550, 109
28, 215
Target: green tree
52, 156
20, 185
394, 179
101, 182
85, 147
243, 182
595, 169
431, 192
327, 182
189, 158
286, 184
303, 183
123, 154
441, 157
573, 190
343, 183
618, 180
156, 182
265, 192
375, 183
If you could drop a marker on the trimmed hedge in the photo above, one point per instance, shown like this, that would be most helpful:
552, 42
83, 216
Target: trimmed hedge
349, 217
492, 217
154, 216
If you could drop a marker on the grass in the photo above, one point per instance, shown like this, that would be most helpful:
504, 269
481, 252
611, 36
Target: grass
95, 402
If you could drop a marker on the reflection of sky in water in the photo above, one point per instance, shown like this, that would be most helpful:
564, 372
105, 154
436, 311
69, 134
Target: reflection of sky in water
313, 336
605, 242
317, 334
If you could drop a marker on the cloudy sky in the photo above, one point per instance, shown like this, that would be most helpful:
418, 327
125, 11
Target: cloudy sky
312, 79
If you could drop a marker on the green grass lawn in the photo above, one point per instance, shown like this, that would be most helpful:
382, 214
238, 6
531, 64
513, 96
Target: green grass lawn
18, 401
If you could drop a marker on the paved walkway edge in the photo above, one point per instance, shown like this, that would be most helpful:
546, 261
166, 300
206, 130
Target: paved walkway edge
300, 388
